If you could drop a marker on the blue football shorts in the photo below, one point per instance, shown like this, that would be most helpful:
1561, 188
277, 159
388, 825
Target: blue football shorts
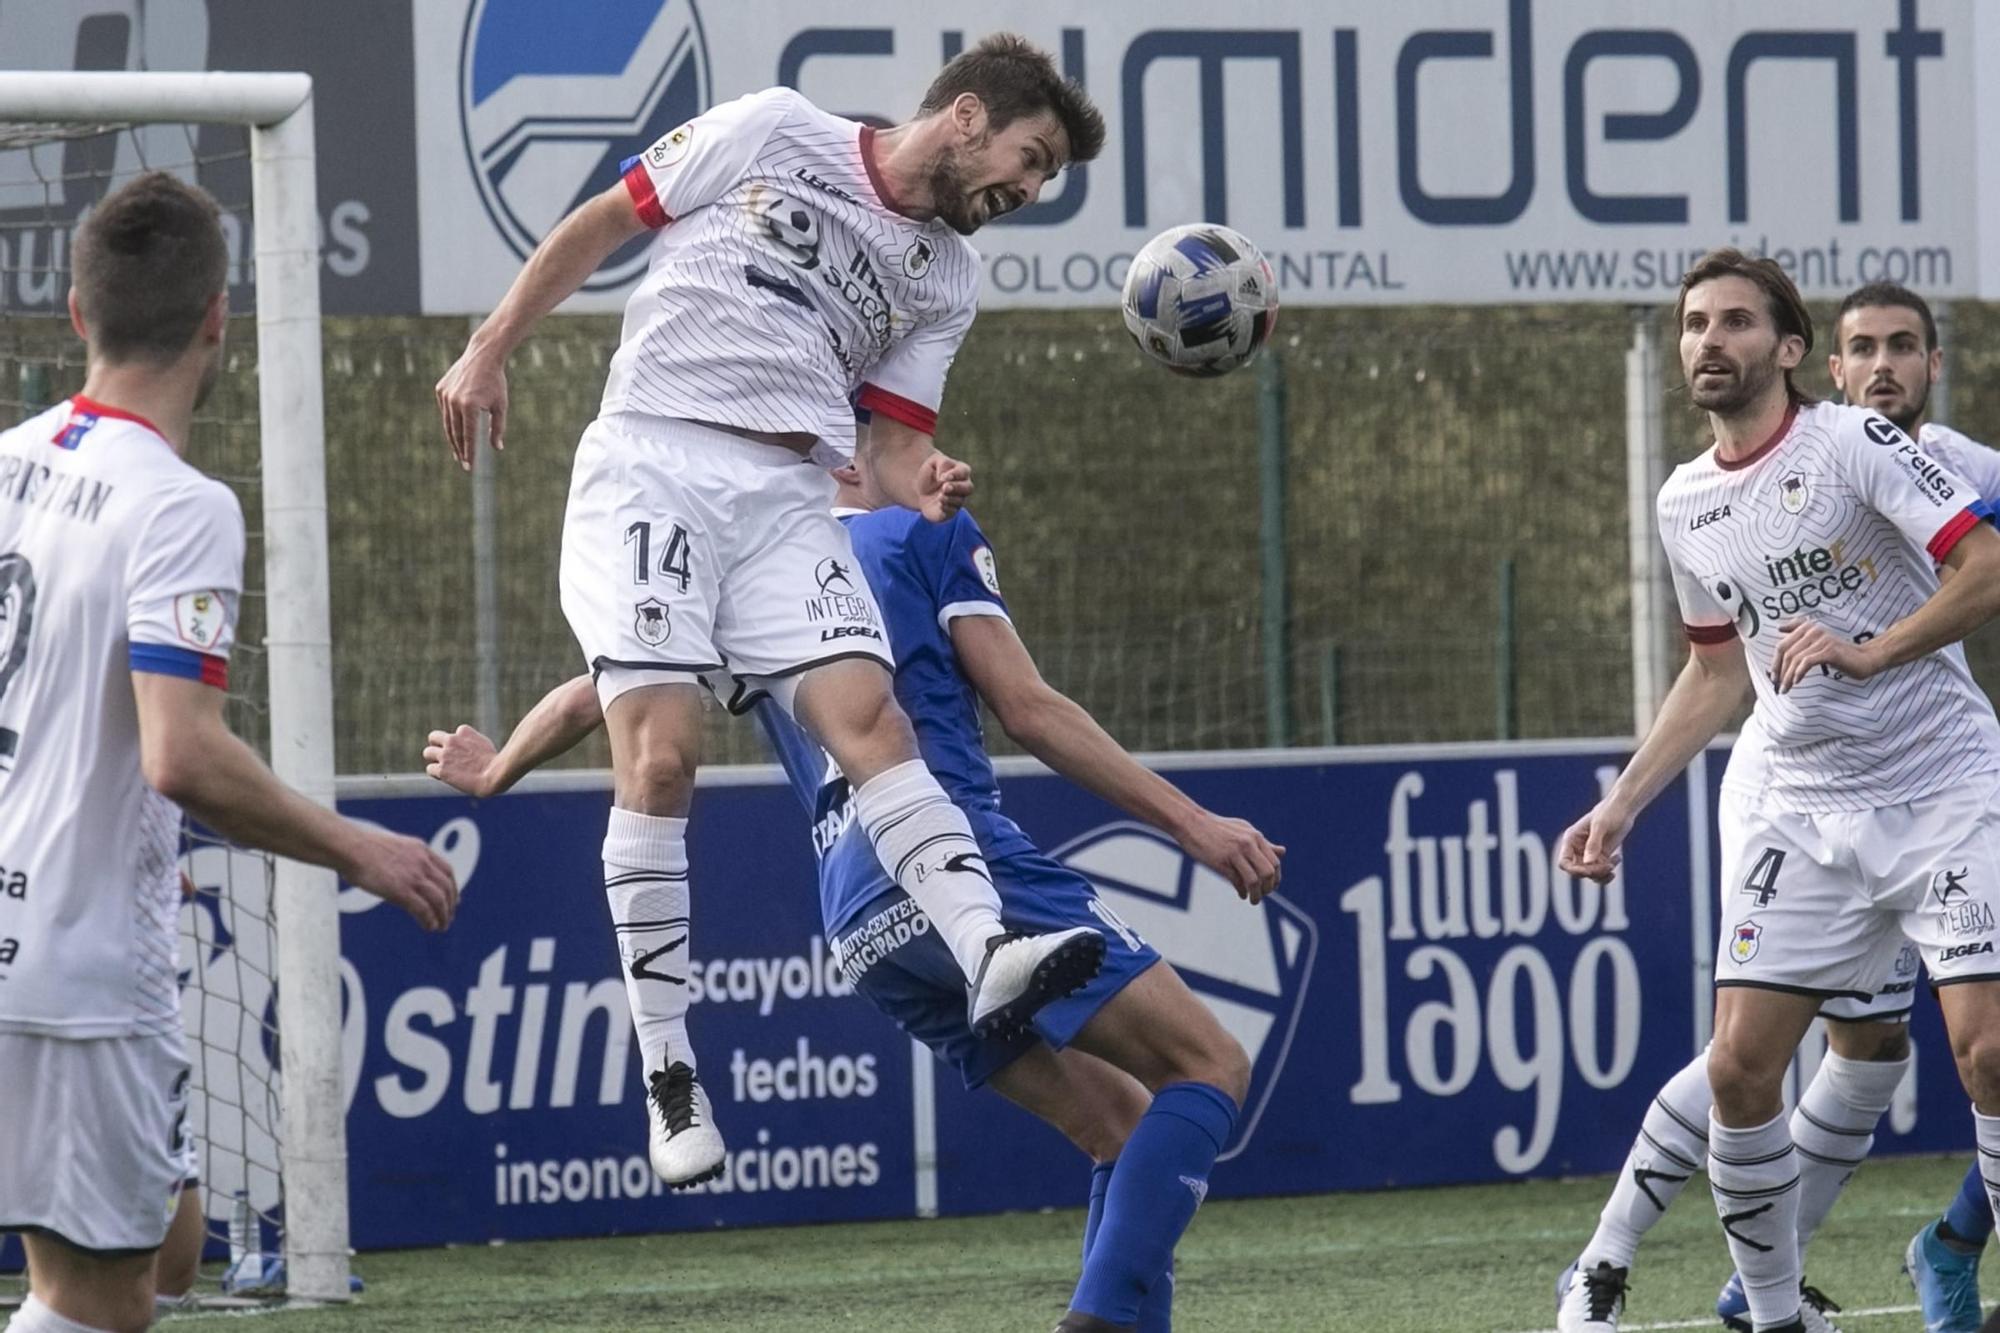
893, 957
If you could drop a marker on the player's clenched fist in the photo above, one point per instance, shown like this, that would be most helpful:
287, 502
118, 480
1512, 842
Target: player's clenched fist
1235, 850
475, 384
943, 485
407, 873
1590, 848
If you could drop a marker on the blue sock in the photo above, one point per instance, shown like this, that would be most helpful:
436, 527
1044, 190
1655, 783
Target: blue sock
1157, 1314
1970, 1216
1161, 1178
1100, 1182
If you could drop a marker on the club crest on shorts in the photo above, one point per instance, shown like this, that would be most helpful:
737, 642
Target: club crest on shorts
1744, 941
650, 623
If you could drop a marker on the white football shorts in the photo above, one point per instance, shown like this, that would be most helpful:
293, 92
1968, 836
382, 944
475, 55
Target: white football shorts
691, 554
1823, 904
94, 1137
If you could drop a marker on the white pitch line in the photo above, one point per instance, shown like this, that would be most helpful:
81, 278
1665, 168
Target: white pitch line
1880, 1312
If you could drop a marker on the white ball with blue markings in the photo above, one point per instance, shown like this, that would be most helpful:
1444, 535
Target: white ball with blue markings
1200, 299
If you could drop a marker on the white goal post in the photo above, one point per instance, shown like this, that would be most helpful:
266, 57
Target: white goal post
277, 108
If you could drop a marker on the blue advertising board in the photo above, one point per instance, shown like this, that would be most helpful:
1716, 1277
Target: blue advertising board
1427, 1000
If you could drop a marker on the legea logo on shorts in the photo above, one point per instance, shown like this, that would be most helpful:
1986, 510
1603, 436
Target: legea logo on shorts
1249, 965
551, 102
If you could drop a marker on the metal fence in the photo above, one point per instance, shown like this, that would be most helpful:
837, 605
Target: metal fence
1408, 525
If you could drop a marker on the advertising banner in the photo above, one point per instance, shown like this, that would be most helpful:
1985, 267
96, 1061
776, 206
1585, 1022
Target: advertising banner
1440, 151
1446, 151
1427, 1000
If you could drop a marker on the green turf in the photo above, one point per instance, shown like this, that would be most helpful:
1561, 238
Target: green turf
1478, 1259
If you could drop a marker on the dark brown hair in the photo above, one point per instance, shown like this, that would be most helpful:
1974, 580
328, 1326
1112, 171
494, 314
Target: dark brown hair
1015, 78
1781, 297
148, 261
1891, 294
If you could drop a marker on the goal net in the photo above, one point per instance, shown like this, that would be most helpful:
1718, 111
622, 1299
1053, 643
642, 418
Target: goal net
266, 1101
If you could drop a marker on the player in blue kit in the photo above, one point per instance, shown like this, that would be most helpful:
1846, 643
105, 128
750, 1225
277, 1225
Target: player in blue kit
1090, 1060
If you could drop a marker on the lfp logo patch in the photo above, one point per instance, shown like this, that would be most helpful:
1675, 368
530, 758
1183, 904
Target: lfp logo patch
551, 98
1249, 965
1743, 944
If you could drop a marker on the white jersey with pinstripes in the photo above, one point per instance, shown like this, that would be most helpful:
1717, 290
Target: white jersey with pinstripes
784, 285
1842, 519
116, 557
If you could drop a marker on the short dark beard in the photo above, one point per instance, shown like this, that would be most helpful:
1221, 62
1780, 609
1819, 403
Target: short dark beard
1906, 421
1756, 378
950, 198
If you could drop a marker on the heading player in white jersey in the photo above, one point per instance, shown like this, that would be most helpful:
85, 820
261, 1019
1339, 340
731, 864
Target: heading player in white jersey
120, 570
1885, 356
1807, 540
800, 263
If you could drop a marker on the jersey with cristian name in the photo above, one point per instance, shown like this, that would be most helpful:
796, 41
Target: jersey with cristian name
783, 283
924, 576
116, 556
1840, 519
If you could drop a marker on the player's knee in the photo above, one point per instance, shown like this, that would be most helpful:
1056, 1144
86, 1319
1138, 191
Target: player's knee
1221, 1063
656, 779
1741, 1076
1978, 1056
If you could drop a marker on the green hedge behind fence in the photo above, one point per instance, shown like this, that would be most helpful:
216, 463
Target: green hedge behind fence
1423, 448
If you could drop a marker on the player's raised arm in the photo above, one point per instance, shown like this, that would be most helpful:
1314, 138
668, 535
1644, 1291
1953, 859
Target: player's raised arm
567, 256
189, 755
1058, 731
466, 760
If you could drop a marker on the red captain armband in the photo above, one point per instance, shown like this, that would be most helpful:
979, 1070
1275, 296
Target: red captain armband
644, 198
1709, 634
897, 408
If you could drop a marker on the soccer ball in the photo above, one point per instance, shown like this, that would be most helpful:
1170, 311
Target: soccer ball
1200, 299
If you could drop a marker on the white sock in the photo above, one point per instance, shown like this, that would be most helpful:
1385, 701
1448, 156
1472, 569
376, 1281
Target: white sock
1833, 1127
1986, 1129
35, 1317
1671, 1147
646, 884
1754, 1175
927, 847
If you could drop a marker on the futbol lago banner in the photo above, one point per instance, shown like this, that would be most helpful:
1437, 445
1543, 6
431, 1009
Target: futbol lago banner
1433, 151
1427, 1000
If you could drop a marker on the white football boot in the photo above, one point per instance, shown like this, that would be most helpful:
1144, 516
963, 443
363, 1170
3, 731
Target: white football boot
685, 1145
1590, 1300
1021, 973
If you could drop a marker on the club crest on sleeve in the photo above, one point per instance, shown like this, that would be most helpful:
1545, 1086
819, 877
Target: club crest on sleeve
989, 569
1745, 940
670, 149
201, 619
